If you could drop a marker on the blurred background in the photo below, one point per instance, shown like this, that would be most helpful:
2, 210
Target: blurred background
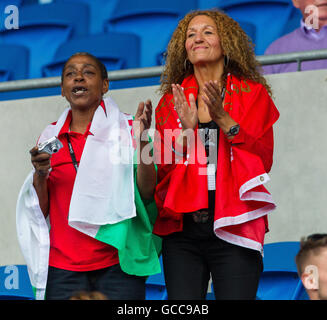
124, 34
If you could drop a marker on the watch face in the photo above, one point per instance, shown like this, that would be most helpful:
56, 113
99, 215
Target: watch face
234, 130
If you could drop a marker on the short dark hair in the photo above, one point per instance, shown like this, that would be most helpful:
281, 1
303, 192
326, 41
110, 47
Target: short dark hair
102, 67
311, 244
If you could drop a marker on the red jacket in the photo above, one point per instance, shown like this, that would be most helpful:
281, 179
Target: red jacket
241, 201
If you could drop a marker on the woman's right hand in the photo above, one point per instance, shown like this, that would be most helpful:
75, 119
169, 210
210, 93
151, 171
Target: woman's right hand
188, 114
41, 162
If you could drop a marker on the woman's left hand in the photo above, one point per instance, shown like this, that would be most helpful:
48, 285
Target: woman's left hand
146, 173
143, 118
213, 100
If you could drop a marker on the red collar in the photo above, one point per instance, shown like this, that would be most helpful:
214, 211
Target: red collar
66, 127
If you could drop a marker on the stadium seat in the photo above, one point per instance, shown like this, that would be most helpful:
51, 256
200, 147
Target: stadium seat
153, 21
269, 17
4, 75
115, 50
279, 279
250, 29
100, 11
210, 293
15, 283
208, 4
42, 28
155, 286
293, 22
14, 61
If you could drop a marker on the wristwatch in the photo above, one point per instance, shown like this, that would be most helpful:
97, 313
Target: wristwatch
233, 131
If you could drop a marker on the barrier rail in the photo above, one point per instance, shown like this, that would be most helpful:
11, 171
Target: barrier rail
138, 73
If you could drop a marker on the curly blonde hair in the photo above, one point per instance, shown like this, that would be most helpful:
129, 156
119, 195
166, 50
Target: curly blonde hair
235, 43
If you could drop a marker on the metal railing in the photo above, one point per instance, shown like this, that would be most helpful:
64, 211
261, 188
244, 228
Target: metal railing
139, 73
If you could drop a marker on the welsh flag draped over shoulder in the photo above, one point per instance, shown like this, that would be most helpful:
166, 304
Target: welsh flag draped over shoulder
119, 216
241, 201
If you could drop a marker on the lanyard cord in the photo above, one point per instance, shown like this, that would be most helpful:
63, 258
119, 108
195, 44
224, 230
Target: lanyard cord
72, 153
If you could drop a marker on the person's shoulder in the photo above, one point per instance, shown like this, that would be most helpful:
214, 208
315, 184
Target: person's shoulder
129, 118
249, 89
245, 84
164, 102
280, 44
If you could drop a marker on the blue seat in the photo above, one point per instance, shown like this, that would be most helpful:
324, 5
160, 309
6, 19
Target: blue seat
42, 28
268, 16
155, 286
153, 21
100, 11
113, 49
293, 22
14, 62
279, 279
250, 29
15, 283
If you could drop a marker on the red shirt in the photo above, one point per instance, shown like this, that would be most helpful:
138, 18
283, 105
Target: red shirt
70, 249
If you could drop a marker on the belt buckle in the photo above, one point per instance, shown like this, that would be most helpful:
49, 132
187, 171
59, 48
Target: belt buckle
201, 216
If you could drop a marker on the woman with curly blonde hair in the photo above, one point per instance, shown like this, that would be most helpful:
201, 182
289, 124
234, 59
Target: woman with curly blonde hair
214, 149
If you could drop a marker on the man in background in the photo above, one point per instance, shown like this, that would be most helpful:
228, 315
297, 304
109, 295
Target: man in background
311, 35
311, 262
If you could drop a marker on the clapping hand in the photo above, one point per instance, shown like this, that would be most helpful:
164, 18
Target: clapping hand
187, 113
213, 100
143, 118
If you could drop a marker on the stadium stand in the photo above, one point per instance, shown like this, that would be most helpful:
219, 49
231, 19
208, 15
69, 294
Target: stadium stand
50, 25
100, 11
14, 62
113, 49
42, 28
149, 19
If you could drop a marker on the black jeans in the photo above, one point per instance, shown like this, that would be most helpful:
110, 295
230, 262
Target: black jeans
189, 257
112, 282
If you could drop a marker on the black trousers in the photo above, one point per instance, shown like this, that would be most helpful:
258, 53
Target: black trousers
189, 257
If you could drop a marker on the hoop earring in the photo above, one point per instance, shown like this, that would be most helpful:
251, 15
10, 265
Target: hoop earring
186, 64
226, 61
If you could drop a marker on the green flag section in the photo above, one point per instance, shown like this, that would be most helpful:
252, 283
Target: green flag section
138, 248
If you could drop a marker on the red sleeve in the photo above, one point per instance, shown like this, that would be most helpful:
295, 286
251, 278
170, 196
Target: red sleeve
256, 132
252, 148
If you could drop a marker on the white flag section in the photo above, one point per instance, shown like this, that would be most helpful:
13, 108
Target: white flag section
104, 186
